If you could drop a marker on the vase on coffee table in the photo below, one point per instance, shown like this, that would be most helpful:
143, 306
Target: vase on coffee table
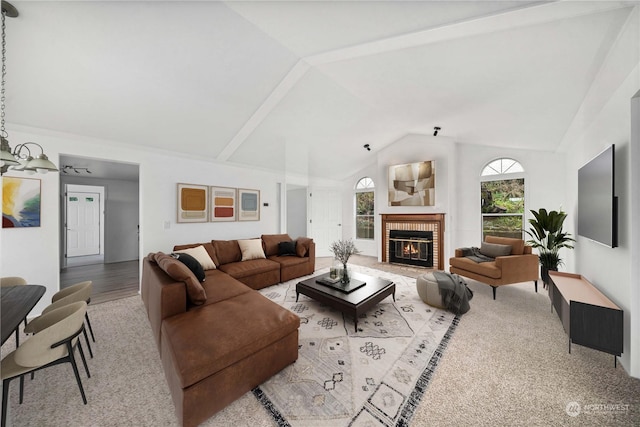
345, 275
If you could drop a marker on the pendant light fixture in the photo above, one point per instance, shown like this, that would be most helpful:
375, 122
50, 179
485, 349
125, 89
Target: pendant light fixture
20, 159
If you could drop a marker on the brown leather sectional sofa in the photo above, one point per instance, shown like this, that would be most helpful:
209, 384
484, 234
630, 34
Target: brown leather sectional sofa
215, 350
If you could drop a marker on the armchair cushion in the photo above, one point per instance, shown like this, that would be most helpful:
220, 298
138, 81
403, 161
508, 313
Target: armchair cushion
494, 250
517, 245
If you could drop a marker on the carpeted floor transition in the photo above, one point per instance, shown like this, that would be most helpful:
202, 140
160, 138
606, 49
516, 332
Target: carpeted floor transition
505, 364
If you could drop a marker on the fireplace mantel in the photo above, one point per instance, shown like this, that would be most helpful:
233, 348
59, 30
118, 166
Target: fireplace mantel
426, 222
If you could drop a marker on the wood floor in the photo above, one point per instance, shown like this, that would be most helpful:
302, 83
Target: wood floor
110, 281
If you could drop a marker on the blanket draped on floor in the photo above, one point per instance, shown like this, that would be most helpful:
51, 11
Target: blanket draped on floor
454, 291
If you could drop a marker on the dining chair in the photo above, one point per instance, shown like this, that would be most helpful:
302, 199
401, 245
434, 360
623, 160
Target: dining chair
79, 292
50, 346
14, 281
63, 293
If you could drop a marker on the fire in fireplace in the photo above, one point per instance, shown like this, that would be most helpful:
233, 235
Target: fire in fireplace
411, 247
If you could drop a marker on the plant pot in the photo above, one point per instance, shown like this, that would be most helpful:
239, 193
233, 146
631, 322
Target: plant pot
544, 274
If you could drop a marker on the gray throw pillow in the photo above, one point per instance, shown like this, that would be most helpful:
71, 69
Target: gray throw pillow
495, 250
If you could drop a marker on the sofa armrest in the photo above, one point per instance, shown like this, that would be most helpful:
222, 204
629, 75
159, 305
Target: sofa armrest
312, 255
518, 268
162, 296
458, 253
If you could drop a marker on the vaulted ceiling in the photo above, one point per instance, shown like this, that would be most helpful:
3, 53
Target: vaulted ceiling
301, 86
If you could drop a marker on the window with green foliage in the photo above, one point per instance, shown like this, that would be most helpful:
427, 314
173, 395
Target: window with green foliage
365, 206
502, 200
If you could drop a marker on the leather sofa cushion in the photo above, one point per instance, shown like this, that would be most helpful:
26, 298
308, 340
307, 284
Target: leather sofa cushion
219, 286
517, 245
227, 251
235, 328
252, 267
487, 269
208, 247
270, 242
179, 271
302, 246
287, 261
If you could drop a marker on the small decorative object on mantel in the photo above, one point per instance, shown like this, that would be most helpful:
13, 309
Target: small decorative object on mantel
342, 250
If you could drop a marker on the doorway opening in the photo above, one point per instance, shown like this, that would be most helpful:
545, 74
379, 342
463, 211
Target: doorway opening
99, 227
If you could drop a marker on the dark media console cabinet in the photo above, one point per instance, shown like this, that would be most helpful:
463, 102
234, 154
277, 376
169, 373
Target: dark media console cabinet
588, 316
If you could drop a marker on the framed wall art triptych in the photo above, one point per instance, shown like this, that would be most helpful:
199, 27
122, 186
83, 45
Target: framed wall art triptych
202, 203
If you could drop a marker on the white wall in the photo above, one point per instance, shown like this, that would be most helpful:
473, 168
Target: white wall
34, 253
605, 118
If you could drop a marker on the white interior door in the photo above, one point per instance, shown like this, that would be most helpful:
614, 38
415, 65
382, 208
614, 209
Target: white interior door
326, 219
83, 223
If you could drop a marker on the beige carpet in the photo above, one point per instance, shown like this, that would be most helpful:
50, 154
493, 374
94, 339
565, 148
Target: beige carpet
507, 364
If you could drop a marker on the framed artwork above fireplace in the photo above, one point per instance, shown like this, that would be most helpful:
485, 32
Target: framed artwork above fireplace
412, 184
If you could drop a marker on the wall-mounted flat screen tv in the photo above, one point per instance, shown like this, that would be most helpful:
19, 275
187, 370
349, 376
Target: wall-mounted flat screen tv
597, 202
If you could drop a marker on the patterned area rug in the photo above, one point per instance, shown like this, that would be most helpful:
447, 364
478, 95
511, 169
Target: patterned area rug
373, 377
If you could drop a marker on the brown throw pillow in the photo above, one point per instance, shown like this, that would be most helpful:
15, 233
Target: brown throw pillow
179, 271
302, 246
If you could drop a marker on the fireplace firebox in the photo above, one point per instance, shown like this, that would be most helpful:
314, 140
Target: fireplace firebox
411, 247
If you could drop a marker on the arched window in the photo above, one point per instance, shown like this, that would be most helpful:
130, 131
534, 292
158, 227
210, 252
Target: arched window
365, 219
502, 198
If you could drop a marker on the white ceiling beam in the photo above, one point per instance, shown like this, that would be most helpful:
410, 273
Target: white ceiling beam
523, 17
272, 101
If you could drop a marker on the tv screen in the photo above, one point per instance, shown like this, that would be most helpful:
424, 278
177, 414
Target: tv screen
597, 203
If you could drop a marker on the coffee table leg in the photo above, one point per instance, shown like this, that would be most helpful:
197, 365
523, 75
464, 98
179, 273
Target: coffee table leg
297, 295
355, 320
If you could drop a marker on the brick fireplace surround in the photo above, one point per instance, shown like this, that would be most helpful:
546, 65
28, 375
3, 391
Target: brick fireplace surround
415, 222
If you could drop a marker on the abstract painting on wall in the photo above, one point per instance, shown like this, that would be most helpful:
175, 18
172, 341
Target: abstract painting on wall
412, 184
223, 204
192, 203
248, 205
20, 202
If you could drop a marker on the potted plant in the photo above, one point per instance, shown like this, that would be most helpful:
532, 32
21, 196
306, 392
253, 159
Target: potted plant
547, 236
342, 250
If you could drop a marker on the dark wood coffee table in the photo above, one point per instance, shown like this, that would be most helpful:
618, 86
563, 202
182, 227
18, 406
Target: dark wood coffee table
353, 303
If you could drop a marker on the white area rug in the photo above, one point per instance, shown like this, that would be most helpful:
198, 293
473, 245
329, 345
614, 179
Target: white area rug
372, 377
